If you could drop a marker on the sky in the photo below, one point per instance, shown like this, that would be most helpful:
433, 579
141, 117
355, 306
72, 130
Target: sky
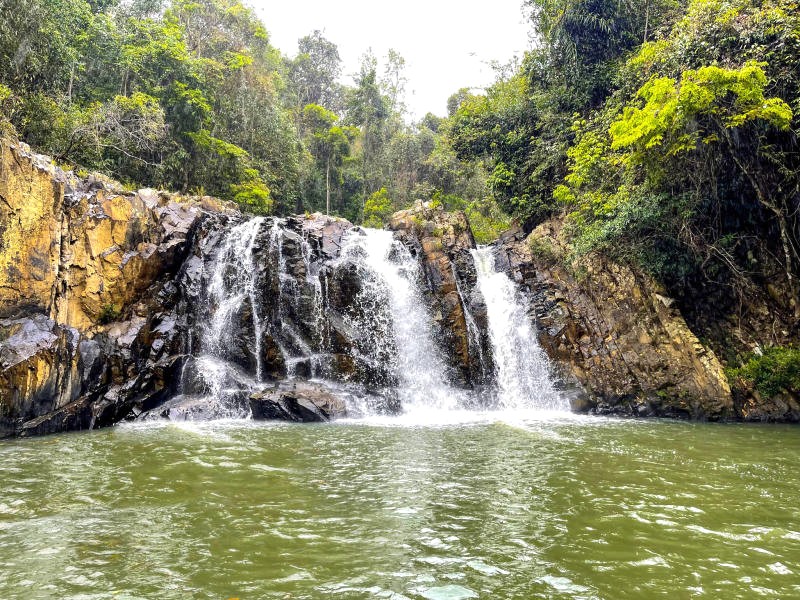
446, 43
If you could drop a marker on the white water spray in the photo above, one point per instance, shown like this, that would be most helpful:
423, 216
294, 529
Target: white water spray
521, 366
231, 284
418, 366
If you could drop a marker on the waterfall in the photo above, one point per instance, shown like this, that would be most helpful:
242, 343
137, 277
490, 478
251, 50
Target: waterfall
372, 338
521, 367
231, 289
392, 274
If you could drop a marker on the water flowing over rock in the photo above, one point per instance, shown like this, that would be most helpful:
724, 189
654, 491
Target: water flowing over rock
615, 334
161, 306
122, 305
397, 322
524, 376
443, 243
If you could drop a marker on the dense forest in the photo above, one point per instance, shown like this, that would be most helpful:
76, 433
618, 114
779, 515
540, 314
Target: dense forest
191, 96
662, 132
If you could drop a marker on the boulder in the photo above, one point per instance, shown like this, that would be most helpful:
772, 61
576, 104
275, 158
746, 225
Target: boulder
303, 402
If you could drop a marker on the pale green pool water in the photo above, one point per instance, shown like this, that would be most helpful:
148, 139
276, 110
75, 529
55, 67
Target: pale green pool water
564, 508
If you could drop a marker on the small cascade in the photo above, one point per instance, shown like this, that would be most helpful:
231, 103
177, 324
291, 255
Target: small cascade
521, 367
232, 287
303, 352
392, 275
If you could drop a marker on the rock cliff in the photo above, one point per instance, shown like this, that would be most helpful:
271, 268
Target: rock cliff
85, 268
112, 301
616, 335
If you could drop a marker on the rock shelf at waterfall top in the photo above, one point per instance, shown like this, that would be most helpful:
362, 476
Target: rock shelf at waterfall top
118, 306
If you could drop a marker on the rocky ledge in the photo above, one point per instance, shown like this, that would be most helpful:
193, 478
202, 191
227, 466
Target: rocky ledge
104, 293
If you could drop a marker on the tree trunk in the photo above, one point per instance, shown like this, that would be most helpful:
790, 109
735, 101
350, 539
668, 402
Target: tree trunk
71, 81
328, 187
777, 209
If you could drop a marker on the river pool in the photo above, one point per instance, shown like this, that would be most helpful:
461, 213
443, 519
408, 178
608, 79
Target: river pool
480, 506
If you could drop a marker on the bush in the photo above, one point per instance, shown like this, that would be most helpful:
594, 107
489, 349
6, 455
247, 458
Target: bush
776, 370
377, 209
487, 220
108, 314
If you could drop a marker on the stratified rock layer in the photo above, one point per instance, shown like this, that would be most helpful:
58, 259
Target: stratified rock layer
615, 333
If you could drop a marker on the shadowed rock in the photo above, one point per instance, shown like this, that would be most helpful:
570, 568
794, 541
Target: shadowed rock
302, 402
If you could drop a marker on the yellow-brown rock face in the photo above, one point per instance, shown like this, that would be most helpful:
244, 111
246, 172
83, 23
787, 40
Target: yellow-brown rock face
617, 333
31, 207
82, 251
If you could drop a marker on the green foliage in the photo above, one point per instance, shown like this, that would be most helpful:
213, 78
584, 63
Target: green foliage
314, 72
522, 125
776, 370
487, 220
733, 97
543, 249
190, 95
377, 209
186, 98
7, 103
109, 313
649, 172
254, 195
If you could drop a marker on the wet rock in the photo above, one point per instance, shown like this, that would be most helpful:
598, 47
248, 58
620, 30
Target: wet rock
303, 402
39, 369
783, 407
197, 408
74, 416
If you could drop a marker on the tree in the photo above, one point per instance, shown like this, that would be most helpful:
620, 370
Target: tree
329, 142
377, 208
314, 72
691, 170
393, 82
368, 109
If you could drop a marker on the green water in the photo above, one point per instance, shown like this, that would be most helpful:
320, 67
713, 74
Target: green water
574, 508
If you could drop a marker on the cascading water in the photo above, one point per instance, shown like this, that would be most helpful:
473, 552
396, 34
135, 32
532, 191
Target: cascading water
231, 287
407, 339
372, 341
522, 369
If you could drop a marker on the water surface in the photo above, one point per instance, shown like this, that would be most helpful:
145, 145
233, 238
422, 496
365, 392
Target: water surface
479, 508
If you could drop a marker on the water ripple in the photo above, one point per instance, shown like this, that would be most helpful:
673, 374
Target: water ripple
478, 508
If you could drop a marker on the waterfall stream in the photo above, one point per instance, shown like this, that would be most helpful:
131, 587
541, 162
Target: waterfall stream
260, 301
231, 289
419, 369
522, 370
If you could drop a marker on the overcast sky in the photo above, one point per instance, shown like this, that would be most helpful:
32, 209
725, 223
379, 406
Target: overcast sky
446, 43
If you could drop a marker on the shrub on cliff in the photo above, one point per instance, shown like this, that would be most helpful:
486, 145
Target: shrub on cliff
775, 371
